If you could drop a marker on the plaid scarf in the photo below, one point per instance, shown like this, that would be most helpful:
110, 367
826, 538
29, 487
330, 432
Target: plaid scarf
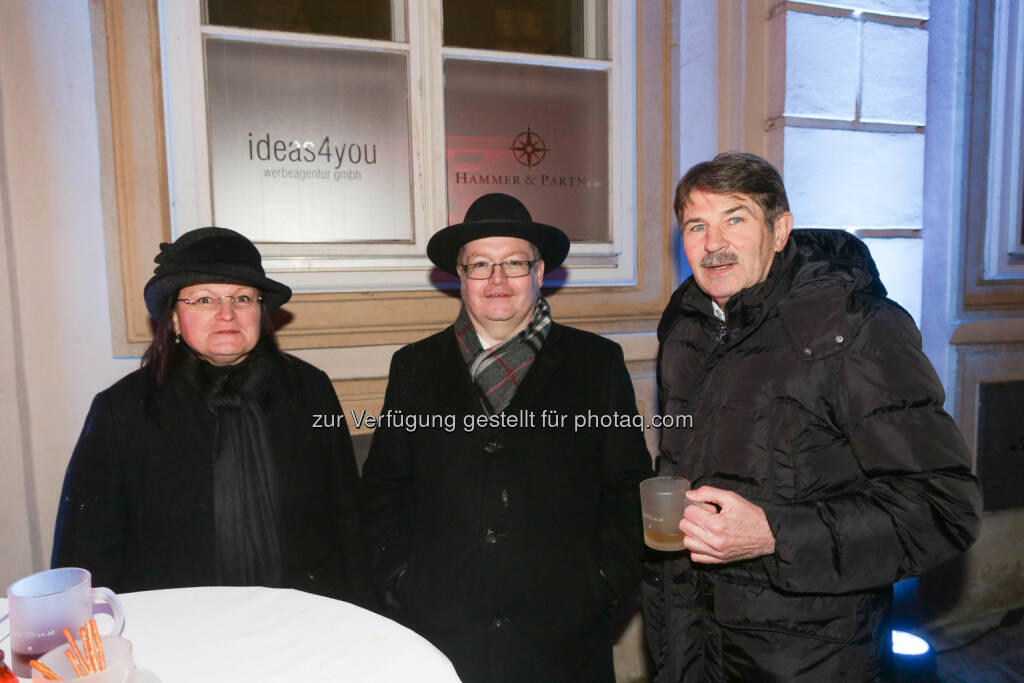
498, 371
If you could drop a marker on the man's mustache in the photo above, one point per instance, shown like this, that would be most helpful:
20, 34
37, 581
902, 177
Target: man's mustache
719, 258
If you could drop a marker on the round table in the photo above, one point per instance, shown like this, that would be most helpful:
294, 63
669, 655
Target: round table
254, 634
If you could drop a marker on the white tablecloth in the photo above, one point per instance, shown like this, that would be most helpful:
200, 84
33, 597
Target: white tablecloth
251, 635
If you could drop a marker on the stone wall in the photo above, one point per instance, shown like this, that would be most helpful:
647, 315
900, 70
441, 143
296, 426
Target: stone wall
850, 124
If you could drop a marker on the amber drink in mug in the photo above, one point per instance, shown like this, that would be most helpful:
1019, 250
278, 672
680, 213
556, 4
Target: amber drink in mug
662, 501
43, 605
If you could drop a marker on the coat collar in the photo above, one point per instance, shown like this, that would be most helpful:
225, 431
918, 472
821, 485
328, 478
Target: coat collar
453, 376
551, 355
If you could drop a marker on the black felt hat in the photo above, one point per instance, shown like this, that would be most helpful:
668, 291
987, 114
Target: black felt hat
497, 215
210, 255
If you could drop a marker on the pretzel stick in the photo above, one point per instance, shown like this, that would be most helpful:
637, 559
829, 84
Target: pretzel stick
74, 663
97, 643
88, 650
82, 636
73, 653
47, 672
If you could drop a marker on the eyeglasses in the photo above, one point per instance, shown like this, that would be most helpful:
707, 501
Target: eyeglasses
483, 270
211, 303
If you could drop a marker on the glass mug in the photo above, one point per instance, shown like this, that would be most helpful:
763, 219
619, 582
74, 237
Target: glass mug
662, 501
43, 604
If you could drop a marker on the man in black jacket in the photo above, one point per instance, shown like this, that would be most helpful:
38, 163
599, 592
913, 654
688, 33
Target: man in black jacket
503, 527
819, 447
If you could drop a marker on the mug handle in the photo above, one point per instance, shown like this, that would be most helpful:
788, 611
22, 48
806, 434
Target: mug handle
105, 602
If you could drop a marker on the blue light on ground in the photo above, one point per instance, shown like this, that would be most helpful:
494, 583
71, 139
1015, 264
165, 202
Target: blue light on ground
904, 643
913, 659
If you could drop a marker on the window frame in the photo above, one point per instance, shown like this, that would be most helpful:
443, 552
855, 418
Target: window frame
397, 266
1004, 221
137, 204
989, 283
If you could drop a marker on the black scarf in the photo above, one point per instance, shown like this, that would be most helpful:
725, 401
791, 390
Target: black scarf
245, 494
499, 370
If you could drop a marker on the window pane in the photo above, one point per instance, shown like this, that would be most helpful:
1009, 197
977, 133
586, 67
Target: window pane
352, 18
309, 144
537, 133
574, 28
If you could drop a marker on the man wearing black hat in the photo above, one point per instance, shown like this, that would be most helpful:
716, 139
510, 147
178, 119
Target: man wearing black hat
504, 517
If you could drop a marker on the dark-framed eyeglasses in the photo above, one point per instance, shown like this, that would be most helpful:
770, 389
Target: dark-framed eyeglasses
211, 303
483, 270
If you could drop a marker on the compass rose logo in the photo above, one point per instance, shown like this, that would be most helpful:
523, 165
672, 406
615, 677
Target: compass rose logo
528, 148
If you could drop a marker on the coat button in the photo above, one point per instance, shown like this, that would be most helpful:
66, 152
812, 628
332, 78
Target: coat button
491, 536
491, 447
807, 350
498, 622
504, 497
839, 339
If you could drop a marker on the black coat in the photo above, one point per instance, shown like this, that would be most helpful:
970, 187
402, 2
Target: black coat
514, 540
815, 402
137, 505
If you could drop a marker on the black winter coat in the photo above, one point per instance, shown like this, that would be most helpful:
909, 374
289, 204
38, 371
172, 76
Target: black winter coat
137, 505
515, 539
814, 401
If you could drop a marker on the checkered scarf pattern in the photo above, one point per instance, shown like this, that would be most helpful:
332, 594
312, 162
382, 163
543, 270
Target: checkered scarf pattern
498, 371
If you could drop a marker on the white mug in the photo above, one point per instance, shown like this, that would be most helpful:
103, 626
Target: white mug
43, 605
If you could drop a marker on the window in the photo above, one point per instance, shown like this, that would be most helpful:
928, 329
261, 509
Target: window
155, 145
341, 136
1004, 225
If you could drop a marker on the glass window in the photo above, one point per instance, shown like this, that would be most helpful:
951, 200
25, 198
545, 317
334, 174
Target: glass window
352, 18
538, 133
571, 28
309, 144
340, 136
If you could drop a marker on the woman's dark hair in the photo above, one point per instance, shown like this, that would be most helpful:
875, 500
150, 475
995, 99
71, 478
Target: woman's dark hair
736, 173
164, 356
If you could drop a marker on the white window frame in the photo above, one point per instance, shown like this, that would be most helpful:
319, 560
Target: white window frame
379, 266
1004, 249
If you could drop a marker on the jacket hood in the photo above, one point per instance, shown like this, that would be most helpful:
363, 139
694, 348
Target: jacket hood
812, 260
826, 258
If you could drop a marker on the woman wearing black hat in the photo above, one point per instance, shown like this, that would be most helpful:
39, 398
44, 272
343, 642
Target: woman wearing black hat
203, 467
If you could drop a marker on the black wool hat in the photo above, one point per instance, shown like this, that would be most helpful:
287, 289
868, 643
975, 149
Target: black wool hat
497, 215
210, 255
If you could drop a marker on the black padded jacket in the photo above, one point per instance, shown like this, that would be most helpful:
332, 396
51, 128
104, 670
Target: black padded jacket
814, 401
